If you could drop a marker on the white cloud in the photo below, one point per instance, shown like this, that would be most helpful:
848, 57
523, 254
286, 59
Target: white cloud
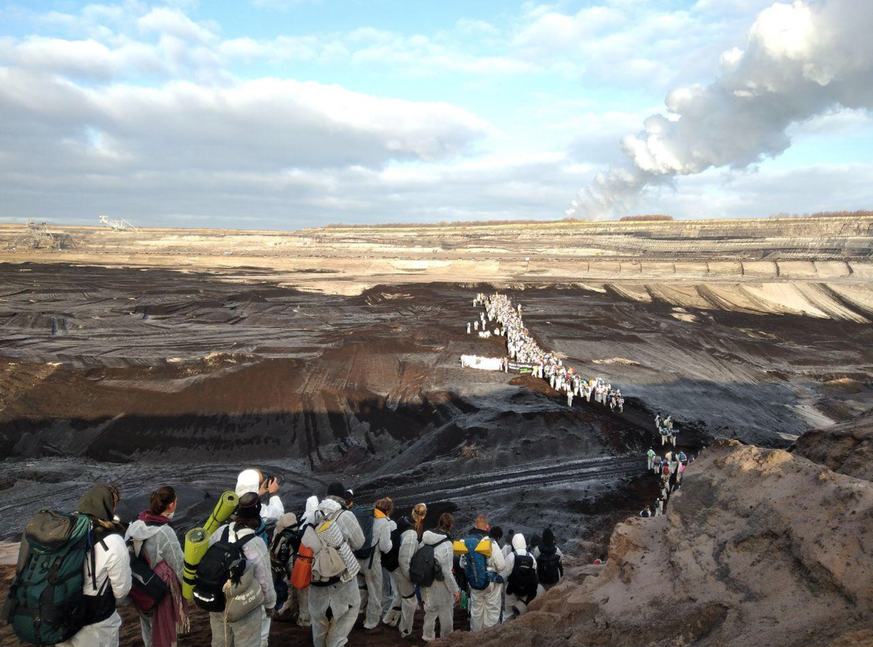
801, 61
173, 22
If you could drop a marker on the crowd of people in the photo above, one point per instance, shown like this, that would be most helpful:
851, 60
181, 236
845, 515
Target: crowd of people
324, 567
522, 348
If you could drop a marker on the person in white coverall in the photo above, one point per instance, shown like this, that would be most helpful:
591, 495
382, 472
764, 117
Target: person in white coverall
405, 603
485, 604
247, 631
334, 608
514, 605
371, 567
303, 594
271, 509
441, 596
111, 568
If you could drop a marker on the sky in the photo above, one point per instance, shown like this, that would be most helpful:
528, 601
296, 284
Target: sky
283, 114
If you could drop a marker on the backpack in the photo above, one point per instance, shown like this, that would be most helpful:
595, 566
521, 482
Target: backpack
285, 545
49, 584
333, 560
476, 565
147, 589
391, 559
523, 580
423, 568
365, 515
301, 574
549, 565
223, 561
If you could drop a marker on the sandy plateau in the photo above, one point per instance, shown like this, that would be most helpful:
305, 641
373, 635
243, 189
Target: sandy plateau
180, 356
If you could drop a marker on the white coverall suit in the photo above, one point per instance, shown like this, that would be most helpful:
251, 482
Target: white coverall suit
515, 606
404, 603
271, 510
439, 598
371, 572
485, 604
343, 599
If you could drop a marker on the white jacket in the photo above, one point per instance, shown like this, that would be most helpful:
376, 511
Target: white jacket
408, 546
112, 563
444, 556
519, 548
158, 544
257, 556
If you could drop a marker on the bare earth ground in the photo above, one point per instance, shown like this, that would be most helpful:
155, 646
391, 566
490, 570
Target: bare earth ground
159, 357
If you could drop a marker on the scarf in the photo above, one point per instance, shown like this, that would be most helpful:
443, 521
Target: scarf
170, 617
148, 517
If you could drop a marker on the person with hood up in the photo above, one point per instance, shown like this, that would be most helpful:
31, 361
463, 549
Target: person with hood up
154, 539
107, 570
302, 595
516, 600
441, 596
550, 560
334, 605
253, 481
404, 603
371, 567
249, 630
485, 604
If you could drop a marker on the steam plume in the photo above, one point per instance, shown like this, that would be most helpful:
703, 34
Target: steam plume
801, 60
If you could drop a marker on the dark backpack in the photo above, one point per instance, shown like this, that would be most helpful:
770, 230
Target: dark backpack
423, 568
549, 565
391, 559
523, 580
147, 589
223, 561
365, 515
476, 565
46, 603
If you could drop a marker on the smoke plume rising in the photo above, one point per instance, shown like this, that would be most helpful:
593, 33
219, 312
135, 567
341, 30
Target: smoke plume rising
801, 60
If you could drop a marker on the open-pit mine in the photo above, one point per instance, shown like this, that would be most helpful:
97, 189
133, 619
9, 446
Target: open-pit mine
156, 356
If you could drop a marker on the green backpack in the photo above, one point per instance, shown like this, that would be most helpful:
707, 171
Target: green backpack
46, 604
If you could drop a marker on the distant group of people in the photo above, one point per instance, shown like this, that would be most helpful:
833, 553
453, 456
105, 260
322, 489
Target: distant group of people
669, 470
522, 348
666, 430
323, 567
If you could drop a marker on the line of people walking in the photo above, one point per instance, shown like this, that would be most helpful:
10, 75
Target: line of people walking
323, 568
522, 348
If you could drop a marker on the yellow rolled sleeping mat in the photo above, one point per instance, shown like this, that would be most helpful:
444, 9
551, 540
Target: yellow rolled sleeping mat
197, 540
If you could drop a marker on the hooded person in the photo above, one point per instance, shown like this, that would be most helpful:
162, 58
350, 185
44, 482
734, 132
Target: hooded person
550, 565
154, 538
404, 602
520, 573
335, 601
252, 480
248, 631
106, 569
441, 596
302, 594
485, 603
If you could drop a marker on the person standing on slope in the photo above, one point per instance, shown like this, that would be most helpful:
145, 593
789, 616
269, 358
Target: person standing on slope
482, 563
441, 596
107, 570
155, 539
334, 600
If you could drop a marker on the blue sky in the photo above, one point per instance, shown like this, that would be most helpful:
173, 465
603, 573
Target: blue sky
283, 114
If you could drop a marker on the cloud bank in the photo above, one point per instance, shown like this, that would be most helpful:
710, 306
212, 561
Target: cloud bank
802, 60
